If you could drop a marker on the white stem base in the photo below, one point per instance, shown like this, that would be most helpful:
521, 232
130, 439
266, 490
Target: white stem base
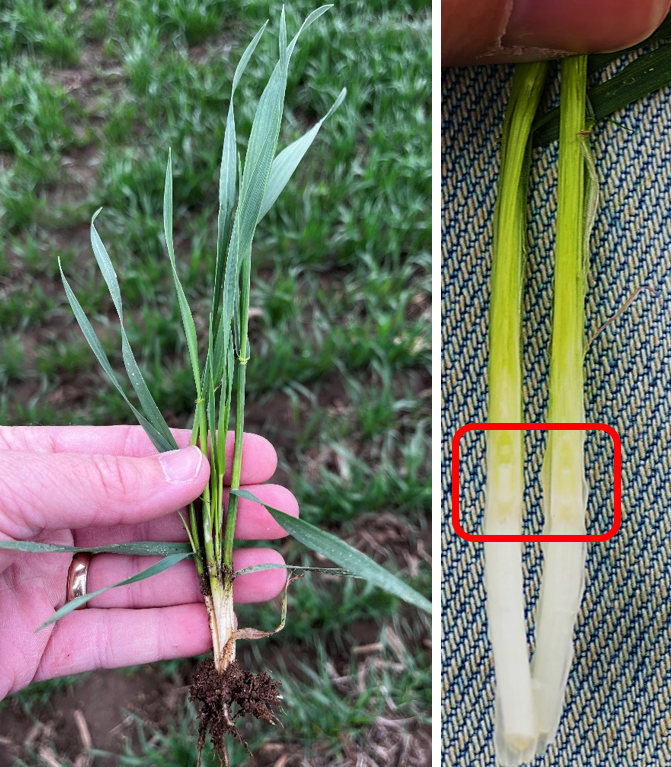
514, 723
224, 626
561, 594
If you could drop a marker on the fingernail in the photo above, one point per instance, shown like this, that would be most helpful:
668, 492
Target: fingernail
582, 26
181, 465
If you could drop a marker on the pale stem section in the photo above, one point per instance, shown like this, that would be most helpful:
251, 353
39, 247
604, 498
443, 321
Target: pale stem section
220, 613
224, 649
515, 731
564, 487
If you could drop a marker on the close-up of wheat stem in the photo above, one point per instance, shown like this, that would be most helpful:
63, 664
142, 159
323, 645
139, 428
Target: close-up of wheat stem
530, 696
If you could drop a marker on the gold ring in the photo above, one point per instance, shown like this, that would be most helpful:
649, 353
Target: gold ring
78, 575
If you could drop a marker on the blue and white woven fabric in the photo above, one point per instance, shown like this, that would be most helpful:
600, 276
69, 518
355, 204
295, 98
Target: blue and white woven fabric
618, 702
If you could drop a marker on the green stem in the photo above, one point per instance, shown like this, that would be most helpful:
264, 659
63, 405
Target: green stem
505, 448
565, 473
245, 275
193, 528
568, 320
237, 463
194, 537
206, 508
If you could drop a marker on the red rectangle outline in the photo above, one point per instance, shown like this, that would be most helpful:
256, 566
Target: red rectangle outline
617, 489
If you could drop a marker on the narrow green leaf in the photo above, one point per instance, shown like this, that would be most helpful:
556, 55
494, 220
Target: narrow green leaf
645, 75
228, 180
152, 413
309, 19
230, 286
211, 409
185, 310
598, 61
227, 191
165, 564
339, 571
225, 398
263, 140
246, 56
289, 158
218, 360
343, 554
261, 151
134, 548
158, 439
236, 312
231, 291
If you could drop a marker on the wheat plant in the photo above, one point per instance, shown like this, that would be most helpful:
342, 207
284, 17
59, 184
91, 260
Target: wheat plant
248, 187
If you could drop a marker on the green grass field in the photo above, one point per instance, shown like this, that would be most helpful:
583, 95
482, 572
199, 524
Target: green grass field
93, 95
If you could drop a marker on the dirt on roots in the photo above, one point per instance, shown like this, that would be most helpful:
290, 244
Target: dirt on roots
224, 697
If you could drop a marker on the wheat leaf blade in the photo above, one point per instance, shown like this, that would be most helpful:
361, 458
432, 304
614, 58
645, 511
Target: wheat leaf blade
227, 193
152, 413
339, 571
643, 76
261, 149
158, 439
159, 567
184, 308
309, 19
342, 554
132, 548
288, 159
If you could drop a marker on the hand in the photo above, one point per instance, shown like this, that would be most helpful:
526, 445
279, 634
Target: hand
91, 486
495, 31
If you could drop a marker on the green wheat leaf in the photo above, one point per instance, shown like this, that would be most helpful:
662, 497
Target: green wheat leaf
343, 554
228, 180
185, 310
263, 140
165, 564
598, 61
132, 548
159, 440
289, 158
645, 75
339, 571
152, 413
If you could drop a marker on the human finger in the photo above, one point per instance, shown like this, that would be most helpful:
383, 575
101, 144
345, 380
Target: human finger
253, 522
259, 459
55, 491
91, 639
494, 31
179, 584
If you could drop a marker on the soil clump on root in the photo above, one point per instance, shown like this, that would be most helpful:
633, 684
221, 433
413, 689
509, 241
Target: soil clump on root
224, 697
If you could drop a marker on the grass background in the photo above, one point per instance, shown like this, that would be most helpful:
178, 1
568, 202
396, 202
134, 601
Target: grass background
93, 94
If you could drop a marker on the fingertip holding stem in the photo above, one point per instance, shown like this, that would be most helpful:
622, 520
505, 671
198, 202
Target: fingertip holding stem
181, 466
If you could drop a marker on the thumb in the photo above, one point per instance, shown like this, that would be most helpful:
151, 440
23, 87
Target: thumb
494, 31
63, 490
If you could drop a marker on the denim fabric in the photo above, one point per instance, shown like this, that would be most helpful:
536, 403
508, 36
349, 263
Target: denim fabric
618, 703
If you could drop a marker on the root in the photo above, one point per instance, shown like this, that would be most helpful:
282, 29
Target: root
224, 697
222, 689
